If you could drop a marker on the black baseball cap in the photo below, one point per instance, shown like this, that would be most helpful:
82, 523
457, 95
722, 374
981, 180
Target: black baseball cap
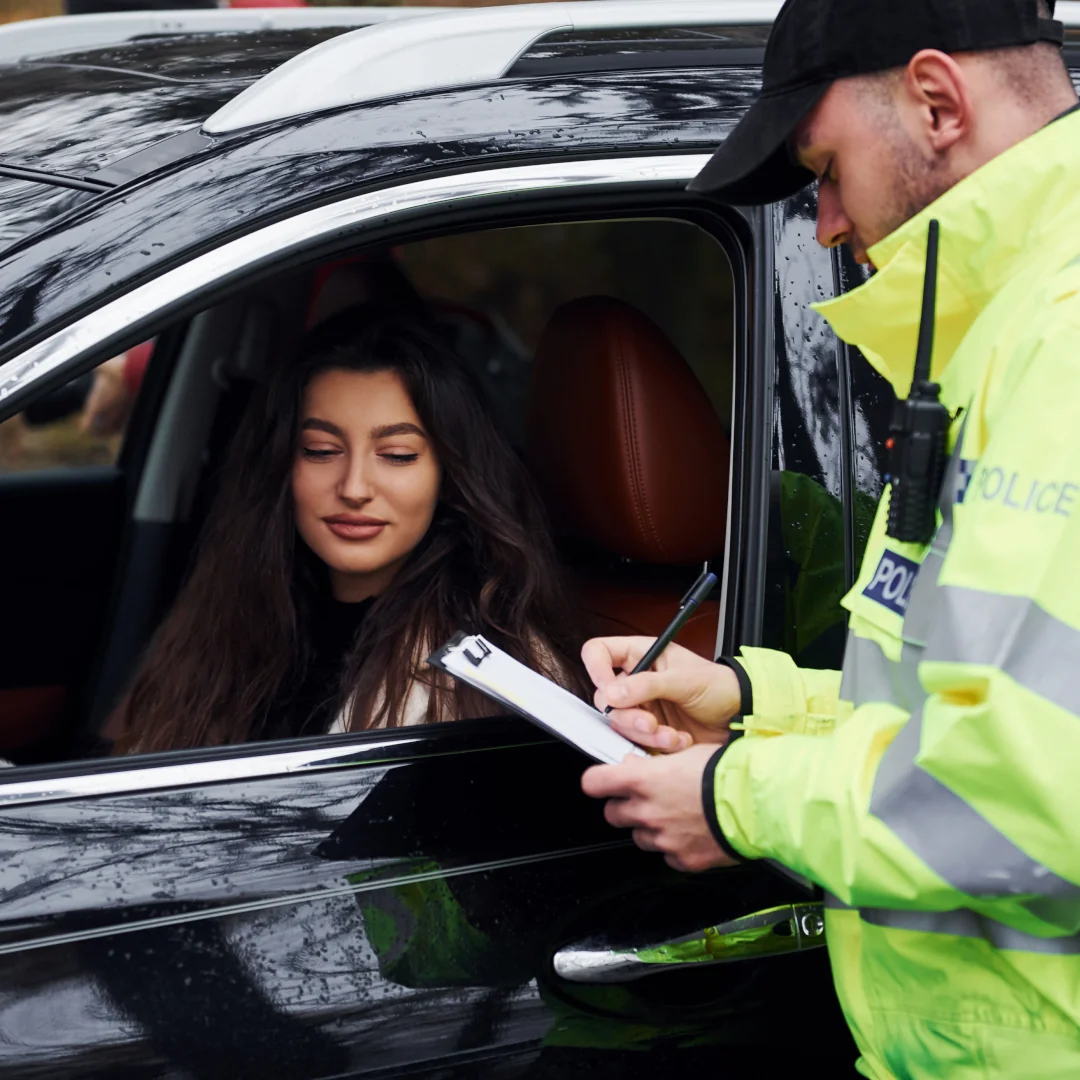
815, 42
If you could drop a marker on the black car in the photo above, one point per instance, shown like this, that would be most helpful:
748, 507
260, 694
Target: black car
180, 196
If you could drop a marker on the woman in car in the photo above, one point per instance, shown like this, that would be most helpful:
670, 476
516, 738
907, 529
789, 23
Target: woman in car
370, 508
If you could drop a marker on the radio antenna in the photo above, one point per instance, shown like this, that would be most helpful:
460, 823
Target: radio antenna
925, 352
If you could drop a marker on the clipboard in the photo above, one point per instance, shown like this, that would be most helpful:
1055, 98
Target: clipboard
485, 667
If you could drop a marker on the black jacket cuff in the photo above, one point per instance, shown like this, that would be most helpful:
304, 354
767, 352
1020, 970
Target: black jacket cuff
746, 688
708, 798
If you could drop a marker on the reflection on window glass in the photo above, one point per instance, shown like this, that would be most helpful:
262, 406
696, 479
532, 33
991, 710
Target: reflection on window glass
806, 571
79, 425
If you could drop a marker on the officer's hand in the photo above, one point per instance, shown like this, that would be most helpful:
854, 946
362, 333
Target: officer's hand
660, 799
684, 700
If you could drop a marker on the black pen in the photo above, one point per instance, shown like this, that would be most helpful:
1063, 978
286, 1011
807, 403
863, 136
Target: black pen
687, 606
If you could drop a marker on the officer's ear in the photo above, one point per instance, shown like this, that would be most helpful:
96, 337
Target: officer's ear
938, 101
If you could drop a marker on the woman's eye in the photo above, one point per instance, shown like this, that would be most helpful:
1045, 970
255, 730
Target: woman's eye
399, 459
314, 453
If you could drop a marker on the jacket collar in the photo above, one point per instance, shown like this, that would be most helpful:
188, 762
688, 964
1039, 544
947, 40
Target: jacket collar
992, 224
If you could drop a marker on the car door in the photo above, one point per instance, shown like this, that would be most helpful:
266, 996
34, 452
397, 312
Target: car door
363, 906
388, 902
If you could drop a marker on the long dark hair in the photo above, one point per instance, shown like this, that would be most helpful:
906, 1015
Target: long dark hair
239, 633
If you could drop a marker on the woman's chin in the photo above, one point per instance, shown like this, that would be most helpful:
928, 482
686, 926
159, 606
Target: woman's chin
357, 579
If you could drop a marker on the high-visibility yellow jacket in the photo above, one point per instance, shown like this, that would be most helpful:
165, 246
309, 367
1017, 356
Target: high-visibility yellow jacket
933, 788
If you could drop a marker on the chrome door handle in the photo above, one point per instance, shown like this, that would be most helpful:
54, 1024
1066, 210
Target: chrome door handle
774, 931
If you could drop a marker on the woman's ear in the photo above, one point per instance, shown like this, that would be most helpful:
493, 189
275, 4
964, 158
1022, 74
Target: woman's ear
937, 90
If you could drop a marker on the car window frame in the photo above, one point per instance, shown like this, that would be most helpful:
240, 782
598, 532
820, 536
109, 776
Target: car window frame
141, 311
310, 234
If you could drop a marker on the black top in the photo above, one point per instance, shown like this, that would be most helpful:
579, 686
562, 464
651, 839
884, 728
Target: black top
308, 706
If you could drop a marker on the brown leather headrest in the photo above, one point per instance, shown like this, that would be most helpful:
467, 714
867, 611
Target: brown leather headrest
622, 439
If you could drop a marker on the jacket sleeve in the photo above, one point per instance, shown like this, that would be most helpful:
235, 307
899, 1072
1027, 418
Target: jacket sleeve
789, 699
971, 801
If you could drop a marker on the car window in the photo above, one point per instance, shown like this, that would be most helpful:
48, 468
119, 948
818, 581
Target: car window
494, 292
507, 283
79, 425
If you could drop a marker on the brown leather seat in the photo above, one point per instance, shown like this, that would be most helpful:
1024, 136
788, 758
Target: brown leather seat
631, 461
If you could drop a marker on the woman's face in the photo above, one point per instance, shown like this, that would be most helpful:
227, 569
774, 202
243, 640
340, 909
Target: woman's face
365, 481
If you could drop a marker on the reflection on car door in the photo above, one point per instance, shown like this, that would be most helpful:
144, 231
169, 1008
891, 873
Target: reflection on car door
349, 909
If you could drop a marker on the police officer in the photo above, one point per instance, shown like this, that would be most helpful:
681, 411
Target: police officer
931, 787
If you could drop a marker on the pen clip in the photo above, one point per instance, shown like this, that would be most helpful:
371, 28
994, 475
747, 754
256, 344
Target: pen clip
702, 578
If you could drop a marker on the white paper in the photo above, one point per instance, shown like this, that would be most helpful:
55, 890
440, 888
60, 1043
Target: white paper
520, 688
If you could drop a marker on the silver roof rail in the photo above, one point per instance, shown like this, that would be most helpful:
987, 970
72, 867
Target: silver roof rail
67, 33
450, 49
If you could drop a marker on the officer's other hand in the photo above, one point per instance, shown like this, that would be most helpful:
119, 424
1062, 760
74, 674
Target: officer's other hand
683, 700
660, 799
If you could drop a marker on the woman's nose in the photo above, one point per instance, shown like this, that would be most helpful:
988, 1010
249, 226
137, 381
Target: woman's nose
833, 225
355, 484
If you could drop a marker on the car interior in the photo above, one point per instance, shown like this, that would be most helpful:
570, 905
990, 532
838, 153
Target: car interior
606, 348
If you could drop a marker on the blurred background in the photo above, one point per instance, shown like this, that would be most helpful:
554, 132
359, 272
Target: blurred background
11, 10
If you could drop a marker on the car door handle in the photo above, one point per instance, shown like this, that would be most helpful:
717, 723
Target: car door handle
774, 931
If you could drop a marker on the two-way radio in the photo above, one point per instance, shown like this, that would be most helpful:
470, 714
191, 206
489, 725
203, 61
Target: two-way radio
919, 431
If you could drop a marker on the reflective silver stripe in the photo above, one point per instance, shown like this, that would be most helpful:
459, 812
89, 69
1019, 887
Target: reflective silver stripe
952, 837
869, 675
1012, 634
834, 903
969, 924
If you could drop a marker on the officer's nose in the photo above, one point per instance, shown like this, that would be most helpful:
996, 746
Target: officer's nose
834, 227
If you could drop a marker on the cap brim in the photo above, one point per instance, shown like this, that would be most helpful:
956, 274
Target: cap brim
753, 166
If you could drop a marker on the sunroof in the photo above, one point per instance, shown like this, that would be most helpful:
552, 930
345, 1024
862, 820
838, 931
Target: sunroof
571, 51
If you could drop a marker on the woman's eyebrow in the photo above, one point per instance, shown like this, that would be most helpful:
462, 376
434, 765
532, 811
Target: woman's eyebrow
388, 430
313, 423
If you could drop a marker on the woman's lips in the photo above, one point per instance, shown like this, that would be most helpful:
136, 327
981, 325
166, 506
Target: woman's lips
355, 528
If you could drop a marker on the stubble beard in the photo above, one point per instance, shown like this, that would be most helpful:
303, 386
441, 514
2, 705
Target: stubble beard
916, 182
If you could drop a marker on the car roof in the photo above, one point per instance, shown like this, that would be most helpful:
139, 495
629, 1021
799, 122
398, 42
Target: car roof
76, 112
110, 242
113, 85
92, 102
468, 47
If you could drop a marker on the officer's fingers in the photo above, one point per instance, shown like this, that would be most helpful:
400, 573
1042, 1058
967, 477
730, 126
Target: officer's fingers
646, 840
644, 729
621, 814
604, 656
677, 685
676, 863
610, 781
